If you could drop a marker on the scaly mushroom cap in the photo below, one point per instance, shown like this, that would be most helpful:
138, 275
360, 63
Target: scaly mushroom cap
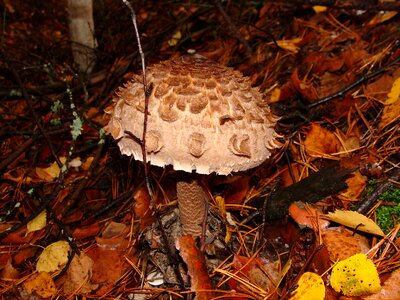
202, 116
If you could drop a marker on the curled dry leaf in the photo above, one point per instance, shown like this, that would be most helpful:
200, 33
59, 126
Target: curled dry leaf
197, 268
9, 272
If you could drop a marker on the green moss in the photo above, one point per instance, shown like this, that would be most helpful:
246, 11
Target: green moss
388, 215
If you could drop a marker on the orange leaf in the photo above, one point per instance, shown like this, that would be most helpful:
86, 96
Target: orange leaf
87, 231
197, 268
24, 254
320, 142
40, 283
109, 266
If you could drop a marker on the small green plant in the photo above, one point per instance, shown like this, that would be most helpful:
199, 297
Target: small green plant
388, 214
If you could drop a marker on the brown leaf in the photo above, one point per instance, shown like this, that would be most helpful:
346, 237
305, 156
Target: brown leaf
237, 190
24, 254
78, 275
9, 272
87, 231
109, 266
341, 243
258, 271
197, 268
390, 289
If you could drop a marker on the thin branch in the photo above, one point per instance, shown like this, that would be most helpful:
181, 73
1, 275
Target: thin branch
342, 92
147, 92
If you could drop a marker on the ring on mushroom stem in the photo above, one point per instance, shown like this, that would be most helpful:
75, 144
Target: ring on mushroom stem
203, 117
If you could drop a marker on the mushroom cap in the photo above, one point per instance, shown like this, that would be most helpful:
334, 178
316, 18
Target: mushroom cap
203, 117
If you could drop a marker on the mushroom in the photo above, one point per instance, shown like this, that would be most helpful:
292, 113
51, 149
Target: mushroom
203, 118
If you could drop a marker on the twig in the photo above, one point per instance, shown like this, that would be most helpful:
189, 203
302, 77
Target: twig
341, 93
147, 92
382, 187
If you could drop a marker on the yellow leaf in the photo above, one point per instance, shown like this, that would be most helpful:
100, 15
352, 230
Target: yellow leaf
355, 276
319, 8
290, 45
54, 257
221, 206
355, 220
310, 287
391, 111
382, 17
48, 174
175, 39
42, 284
37, 223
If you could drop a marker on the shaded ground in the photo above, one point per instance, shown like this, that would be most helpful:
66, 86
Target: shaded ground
296, 56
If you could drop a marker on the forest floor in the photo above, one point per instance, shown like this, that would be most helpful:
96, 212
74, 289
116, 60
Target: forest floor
318, 220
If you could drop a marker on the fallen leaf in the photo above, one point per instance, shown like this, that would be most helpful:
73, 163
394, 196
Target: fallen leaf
197, 267
109, 266
306, 216
342, 243
356, 185
355, 220
78, 275
259, 271
290, 45
23, 254
54, 257
48, 174
381, 17
9, 272
320, 142
40, 283
38, 223
80, 233
306, 89
310, 287
355, 276
391, 111
390, 289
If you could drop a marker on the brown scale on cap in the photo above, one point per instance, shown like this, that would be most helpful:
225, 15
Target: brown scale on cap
202, 116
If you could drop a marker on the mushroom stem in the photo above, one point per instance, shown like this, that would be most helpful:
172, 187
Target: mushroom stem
192, 207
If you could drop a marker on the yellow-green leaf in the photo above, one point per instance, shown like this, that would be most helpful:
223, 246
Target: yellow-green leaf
391, 111
355, 276
310, 287
54, 257
37, 223
355, 220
